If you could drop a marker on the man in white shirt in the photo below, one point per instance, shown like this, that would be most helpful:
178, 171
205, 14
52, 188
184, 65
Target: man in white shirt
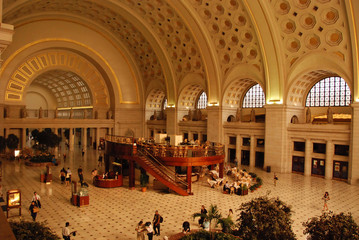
149, 229
66, 234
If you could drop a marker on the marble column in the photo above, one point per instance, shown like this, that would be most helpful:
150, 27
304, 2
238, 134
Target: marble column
238, 150
71, 139
308, 157
97, 137
23, 138
329, 160
84, 138
252, 154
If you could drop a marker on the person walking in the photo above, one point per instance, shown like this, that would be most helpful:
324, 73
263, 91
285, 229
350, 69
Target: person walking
100, 160
326, 198
36, 198
68, 176
63, 175
156, 223
81, 175
275, 179
140, 229
33, 210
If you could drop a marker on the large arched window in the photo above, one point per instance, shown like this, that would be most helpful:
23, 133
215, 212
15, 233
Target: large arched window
202, 101
331, 91
254, 97
164, 104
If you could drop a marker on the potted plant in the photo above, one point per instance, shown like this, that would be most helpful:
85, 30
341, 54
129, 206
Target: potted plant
252, 188
332, 226
244, 189
144, 178
259, 182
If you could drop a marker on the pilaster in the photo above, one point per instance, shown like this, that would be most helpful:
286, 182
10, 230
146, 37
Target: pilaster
329, 160
353, 177
308, 157
171, 122
214, 124
276, 138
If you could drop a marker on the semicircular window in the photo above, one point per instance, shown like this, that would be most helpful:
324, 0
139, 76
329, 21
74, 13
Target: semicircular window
202, 101
331, 91
254, 97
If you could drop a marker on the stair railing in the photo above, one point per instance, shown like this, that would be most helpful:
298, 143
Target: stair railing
169, 173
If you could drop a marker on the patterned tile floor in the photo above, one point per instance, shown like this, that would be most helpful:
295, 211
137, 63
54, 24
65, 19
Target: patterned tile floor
113, 213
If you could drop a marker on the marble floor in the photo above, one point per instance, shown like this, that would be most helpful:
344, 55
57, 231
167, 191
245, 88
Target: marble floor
114, 213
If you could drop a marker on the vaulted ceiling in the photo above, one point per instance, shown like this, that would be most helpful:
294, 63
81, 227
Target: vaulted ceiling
169, 39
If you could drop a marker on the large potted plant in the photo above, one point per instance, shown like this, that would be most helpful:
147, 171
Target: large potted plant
264, 218
244, 189
332, 226
144, 179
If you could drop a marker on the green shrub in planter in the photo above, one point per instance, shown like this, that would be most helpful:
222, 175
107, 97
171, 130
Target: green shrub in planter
253, 175
259, 181
25, 230
202, 235
264, 218
332, 226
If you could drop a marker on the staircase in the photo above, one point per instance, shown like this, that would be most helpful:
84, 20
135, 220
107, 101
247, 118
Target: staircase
165, 175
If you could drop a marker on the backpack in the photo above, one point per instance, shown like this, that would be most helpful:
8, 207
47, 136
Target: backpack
161, 219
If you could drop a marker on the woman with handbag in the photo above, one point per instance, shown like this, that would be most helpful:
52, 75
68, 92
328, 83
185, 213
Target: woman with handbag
33, 210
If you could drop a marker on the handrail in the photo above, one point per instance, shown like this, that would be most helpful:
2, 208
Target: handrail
169, 173
210, 149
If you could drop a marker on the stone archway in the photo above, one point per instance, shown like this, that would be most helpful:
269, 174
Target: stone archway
35, 65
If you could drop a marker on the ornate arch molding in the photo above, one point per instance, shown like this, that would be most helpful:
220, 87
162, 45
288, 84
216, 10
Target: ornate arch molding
310, 70
37, 64
238, 81
154, 99
191, 85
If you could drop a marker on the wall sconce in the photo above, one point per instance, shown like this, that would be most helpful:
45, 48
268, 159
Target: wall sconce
275, 101
213, 104
171, 105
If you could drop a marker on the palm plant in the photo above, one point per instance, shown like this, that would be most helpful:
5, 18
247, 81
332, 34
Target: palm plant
212, 214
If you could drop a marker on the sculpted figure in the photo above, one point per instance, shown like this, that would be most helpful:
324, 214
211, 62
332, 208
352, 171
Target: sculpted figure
308, 116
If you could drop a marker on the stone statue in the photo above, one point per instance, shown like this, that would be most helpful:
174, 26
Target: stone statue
238, 115
190, 115
155, 115
109, 114
253, 115
330, 115
40, 112
24, 113
308, 115
71, 113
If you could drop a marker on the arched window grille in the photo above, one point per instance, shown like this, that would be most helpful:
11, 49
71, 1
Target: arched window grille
254, 97
202, 101
164, 104
331, 91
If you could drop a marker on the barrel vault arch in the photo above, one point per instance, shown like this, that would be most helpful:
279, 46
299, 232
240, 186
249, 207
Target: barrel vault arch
44, 61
